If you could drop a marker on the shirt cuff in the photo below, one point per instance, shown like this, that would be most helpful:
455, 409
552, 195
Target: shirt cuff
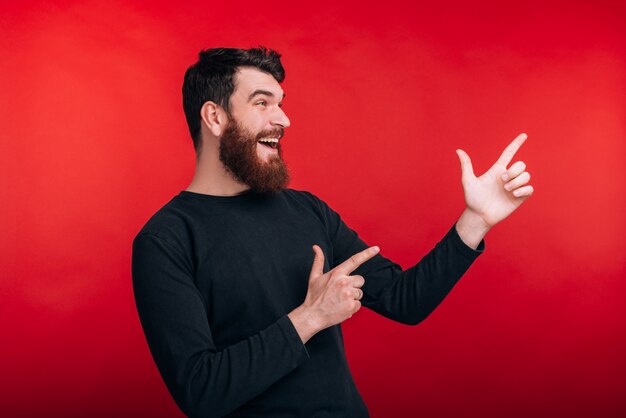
462, 247
299, 351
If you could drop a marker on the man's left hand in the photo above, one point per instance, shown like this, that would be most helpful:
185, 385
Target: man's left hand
496, 194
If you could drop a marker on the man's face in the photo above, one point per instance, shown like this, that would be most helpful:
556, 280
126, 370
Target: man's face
250, 145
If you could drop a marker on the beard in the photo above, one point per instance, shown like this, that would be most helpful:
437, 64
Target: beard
238, 153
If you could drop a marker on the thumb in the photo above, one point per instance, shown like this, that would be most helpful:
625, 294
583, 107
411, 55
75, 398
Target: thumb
467, 171
318, 262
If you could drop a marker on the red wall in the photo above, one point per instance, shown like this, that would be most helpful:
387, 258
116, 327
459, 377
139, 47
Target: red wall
94, 142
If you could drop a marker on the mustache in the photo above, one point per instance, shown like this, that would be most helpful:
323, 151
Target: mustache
272, 133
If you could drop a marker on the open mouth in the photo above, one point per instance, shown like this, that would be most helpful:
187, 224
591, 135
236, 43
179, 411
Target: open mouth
269, 142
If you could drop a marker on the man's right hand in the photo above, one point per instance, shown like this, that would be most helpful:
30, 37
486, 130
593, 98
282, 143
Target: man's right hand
332, 297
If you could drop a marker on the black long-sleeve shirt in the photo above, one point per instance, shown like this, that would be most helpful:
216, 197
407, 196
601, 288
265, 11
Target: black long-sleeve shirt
215, 277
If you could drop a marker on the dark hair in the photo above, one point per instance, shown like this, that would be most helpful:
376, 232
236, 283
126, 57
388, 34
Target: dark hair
211, 79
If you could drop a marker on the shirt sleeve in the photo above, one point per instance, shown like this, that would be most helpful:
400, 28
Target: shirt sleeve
202, 380
407, 296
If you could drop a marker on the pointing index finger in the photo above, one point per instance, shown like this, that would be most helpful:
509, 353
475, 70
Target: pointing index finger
511, 149
356, 260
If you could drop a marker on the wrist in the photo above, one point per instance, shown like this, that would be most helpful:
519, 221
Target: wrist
304, 322
471, 228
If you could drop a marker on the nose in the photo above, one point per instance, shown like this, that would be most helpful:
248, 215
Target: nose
280, 118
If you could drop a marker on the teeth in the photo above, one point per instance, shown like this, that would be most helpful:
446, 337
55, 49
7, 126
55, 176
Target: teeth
271, 140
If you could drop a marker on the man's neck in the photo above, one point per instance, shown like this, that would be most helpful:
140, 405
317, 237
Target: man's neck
212, 178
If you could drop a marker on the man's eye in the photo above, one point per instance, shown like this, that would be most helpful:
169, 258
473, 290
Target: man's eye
262, 103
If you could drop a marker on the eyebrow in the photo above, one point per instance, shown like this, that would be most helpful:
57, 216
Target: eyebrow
262, 92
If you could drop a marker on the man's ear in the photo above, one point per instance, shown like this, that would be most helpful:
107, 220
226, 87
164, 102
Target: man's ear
214, 117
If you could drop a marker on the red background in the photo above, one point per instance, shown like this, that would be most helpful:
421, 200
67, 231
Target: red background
94, 141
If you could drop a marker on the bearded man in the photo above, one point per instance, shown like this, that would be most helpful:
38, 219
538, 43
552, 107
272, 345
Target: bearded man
241, 317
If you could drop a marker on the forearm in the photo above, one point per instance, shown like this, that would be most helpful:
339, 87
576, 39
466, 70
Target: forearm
217, 383
410, 296
205, 380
